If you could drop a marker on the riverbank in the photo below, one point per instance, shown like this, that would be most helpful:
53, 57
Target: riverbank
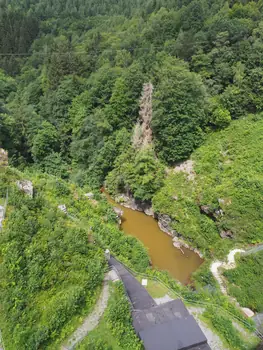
163, 220
164, 255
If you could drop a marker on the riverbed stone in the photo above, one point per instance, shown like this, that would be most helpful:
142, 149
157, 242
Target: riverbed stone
118, 211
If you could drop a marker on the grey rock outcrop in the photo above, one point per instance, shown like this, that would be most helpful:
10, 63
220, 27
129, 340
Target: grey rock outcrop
118, 212
26, 186
226, 234
164, 222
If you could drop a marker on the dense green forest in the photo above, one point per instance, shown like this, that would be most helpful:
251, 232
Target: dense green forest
71, 87
73, 118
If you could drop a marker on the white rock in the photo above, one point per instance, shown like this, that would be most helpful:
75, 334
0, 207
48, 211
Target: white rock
249, 313
63, 208
26, 186
89, 195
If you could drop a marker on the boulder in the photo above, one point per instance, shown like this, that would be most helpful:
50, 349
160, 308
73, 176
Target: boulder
26, 186
164, 223
247, 312
149, 211
206, 209
118, 211
63, 208
89, 195
226, 234
219, 212
3, 158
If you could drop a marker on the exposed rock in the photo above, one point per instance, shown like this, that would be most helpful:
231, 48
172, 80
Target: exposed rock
2, 215
63, 208
226, 234
164, 222
186, 167
149, 211
3, 158
221, 201
179, 244
175, 198
134, 204
89, 195
118, 211
206, 209
224, 201
219, 212
247, 312
26, 186
214, 214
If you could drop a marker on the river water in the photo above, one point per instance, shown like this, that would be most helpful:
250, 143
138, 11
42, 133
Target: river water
160, 246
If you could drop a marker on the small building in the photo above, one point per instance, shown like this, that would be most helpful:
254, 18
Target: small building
169, 327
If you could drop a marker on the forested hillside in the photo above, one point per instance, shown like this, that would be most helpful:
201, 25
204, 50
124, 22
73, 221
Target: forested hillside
74, 77
71, 86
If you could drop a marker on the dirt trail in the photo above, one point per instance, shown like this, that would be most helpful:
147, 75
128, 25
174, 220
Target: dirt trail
90, 321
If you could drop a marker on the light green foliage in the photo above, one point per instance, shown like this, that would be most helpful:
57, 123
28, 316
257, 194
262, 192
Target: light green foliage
223, 325
228, 176
246, 281
39, 248
52, 265
137, 171
115, 331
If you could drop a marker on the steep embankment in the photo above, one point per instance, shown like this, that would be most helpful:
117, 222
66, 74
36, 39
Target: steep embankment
52, 258
220, 204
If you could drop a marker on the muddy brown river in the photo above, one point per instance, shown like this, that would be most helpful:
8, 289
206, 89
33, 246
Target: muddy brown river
160, 246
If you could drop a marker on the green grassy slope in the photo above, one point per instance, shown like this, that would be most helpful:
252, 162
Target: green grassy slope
246, 281
52, 264
229, 177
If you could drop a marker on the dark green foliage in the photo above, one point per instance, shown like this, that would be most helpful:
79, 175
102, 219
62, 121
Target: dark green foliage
246, 281
179, 113
85, 72
138, 172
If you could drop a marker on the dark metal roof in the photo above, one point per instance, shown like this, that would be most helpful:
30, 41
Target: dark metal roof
165, 327
138, 295
168, 327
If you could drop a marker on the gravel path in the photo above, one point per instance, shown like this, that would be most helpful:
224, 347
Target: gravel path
91, 321
229, 265
213, 339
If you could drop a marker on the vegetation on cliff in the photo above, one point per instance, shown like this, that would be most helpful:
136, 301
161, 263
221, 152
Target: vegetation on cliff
52, 263
246, 281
